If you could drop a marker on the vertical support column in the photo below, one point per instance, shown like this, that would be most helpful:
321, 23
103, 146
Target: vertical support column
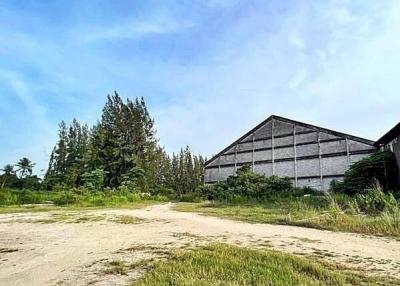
219, 168
236, 147
295, 155
252, 154
348, 151
320, 162
272, 147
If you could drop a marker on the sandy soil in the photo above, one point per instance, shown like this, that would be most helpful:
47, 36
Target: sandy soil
75, 248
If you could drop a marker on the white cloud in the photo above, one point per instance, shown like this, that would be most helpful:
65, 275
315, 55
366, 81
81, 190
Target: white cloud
136, 29
345, 79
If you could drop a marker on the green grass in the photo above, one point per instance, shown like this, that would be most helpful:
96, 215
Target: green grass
221, 264
116, 267
41, 208
71, 199
300, 213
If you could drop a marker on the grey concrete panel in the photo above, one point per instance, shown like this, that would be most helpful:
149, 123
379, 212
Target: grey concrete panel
225, 172
281, 127
302, 129
308, 167
262, 155
227, 159
307, 150
248, 138
284, 169
357, 146
265, 169
309, 137
264, 131
334, 165
333, 147
357, 157
327, 136
245, 146
283, 153
211, 175
244, 157
313, 183
282, 141
262, 144
230, 150
213, 162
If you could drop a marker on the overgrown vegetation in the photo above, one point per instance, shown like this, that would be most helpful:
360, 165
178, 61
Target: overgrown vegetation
221, 264
256, 198
330, 213
380, 167
249, 186
75, 197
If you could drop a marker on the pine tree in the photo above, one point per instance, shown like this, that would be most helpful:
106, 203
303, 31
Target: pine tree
120, 146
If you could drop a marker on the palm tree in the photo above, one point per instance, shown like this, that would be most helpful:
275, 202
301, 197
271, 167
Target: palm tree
8, 170
25, 167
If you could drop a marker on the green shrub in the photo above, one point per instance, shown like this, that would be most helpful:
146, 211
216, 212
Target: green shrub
247, 185
380, 166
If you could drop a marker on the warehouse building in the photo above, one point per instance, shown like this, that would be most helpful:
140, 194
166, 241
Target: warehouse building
391, 141
310, 155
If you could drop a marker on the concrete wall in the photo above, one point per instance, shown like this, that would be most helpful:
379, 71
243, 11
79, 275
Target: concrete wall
394, 146
309, 155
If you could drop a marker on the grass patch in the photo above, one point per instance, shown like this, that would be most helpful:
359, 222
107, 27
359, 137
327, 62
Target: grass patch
221, 264
21, 200
119, 267
301, 213
116, 267
126, 219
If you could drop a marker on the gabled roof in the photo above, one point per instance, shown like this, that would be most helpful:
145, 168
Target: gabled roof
298, 123
389, 136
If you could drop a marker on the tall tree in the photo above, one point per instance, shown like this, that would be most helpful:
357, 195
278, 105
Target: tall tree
121, 146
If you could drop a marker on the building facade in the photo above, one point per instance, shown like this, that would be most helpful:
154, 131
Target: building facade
391, 141
309, 155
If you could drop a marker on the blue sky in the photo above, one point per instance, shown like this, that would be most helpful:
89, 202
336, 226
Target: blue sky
209, 70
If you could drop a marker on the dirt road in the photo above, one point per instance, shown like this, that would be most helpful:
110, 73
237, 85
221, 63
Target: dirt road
74, 248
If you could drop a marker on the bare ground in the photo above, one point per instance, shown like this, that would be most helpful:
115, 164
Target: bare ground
79, 248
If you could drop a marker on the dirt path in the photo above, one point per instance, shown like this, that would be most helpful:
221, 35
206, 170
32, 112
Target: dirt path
73, 248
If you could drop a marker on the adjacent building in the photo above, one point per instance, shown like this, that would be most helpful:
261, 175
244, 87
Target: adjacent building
310, 155
391, 141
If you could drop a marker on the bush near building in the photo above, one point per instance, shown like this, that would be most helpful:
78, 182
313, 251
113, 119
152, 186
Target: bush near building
380, 166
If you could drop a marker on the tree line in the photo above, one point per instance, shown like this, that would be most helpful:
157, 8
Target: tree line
120, 150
